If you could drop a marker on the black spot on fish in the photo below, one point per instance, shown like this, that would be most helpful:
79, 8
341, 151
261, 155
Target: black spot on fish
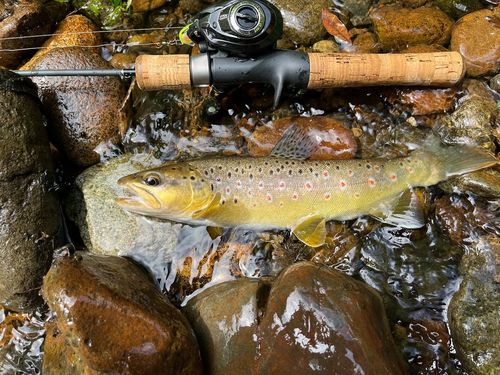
277, 170
293, 163
286, 162
193, 178
316, 174
211, 170
260, 169
206, 173
311, 170
184, 177
359, 165
250, 176
242, 171
220, 166
191, 170
249, 166
302, 162
223, 202
173, 168
271, 172
228, 174
202, 180
316, 164
300, 171
368, 166
337, 167
328, 164
290, 172
235, 200
401, 164
382, 166
266, 163
236, 169
212, 187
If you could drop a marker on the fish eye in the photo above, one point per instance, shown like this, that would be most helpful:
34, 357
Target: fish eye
152, 180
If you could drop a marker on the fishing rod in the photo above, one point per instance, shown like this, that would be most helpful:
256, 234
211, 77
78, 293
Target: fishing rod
237, 41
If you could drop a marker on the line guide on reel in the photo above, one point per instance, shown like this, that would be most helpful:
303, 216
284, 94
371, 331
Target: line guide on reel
237, 42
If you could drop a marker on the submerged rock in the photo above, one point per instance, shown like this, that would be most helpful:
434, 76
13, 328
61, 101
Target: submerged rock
105, 227
30, 215
116, 320
334, 140
473, 310
459, 8
397, 27
302, 23
477, 37
28, 18
310, 319
83, 111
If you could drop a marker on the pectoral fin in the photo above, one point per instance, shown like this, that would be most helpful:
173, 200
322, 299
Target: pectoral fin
210, 209
403, 211
311, 231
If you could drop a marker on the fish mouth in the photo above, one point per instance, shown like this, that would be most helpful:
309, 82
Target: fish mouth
137, 198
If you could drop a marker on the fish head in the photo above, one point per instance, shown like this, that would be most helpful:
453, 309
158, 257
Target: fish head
174, 191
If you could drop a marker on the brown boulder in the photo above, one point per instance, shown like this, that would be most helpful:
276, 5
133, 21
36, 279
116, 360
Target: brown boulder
311, 319
397, 27
83, 111
116, 319
477, 37
27, 18
334, 140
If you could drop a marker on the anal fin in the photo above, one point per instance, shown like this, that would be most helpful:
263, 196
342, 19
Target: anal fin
404, 211
311, 230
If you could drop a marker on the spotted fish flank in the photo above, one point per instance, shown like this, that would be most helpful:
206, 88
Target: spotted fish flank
276, 192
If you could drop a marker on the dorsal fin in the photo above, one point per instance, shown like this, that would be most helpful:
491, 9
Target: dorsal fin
294, 144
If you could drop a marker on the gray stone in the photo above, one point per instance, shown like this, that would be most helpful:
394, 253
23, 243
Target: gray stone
108, 229
30, 215
474, 310
495, 83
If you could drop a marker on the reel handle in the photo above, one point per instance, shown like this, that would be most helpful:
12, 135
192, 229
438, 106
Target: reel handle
301, 70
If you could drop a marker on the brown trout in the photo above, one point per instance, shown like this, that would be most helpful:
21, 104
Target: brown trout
284, 190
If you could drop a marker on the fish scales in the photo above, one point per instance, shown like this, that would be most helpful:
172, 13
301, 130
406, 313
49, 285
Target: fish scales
274, 192
283, 192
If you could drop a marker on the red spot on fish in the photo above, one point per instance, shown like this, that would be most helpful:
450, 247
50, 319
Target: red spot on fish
327, 196
282, 185
228, 190
308, 185
269, 198
261, 185
342, 184
238, 184
249, 193
410, 170
372, 182
350, 172
325, 174
218, 180
356, 195
393, 176
377, 169
295, 196
281, 204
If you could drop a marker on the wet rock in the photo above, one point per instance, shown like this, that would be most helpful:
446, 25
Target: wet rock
325, 46
27, 18
116, 319
477, 37
83, 111
105, 227
397, 27
485, 183
310, 319
358, 10
459, 8
454, 217
145, 5
470, 124
495, 83
59, 357
366, 43
334, 140
75, 30
422, 101
30, 216
473, 310
105, 13
194, 6
302, 23
123, 60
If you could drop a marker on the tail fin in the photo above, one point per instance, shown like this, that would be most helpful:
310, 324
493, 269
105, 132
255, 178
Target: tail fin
458, 159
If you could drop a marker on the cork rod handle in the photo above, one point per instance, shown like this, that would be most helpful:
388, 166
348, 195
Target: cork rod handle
350, 70
163, 72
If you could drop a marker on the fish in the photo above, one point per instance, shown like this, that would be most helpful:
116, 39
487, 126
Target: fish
284, 190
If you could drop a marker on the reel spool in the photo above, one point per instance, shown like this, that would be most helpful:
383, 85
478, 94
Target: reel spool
237, 28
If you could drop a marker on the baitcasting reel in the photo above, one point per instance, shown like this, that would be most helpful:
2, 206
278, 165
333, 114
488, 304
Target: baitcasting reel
239, 28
